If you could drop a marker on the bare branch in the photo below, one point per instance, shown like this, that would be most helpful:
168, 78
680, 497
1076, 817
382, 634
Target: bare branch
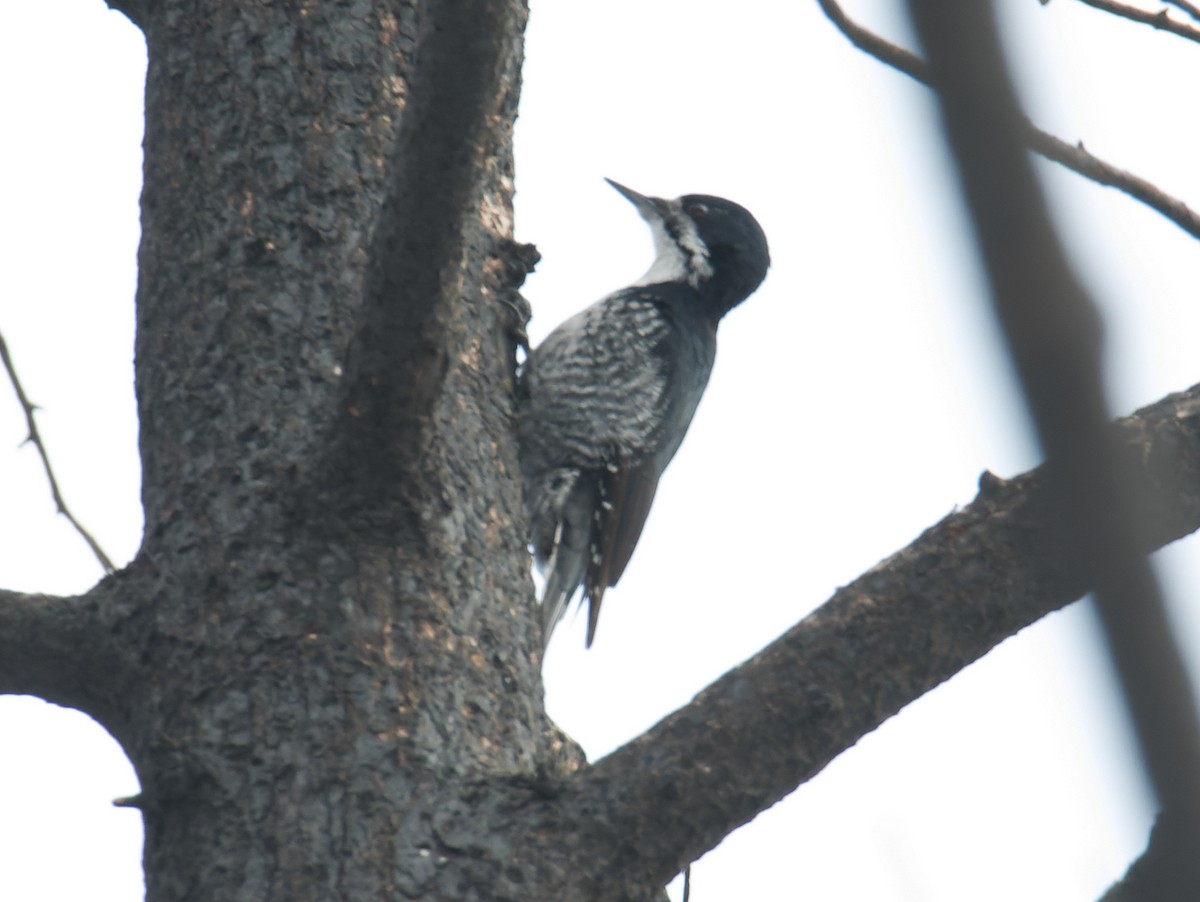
1160, 20
73, 650
870, 43
1054, 337
1190, 8
1073, 157
36, 439
910, 623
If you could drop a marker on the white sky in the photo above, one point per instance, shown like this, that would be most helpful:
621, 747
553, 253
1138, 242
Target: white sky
855, 400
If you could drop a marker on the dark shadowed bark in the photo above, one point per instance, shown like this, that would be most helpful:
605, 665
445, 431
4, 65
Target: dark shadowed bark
324, 661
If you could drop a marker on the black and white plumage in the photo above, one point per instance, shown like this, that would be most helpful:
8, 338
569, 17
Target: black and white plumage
609, 395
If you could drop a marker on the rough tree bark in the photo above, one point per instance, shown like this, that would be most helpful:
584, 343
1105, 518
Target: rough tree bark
323, 662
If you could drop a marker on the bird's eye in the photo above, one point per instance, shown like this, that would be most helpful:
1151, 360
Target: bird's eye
697, 209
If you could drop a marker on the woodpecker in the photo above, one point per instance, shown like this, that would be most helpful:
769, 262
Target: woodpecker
607, 398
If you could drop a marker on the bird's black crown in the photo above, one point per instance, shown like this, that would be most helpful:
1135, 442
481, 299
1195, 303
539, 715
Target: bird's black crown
737, 248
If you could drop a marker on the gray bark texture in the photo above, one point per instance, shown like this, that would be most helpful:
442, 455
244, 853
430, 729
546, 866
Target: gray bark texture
324, 661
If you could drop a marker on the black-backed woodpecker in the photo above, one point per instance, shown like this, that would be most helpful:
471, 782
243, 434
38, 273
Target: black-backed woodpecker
609, 395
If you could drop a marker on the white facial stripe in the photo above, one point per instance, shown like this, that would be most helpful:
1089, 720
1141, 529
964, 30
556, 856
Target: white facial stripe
690, 240
685, 260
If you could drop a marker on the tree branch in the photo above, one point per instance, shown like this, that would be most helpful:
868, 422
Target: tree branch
913, 621
1190, 8
36, 438
1073, 157
69, 651
1053, 334
873, 45
1160, 20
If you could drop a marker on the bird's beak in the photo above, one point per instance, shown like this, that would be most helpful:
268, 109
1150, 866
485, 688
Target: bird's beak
648, 207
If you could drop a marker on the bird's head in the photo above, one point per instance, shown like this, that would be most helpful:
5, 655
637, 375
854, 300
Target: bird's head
714, 245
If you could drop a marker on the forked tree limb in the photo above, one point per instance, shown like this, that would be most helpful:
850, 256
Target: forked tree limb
1072, 156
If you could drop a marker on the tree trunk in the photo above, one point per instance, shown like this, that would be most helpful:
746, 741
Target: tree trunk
323, 656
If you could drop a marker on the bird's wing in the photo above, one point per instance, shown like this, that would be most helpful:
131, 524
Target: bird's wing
625, 498
609, 395
597, 386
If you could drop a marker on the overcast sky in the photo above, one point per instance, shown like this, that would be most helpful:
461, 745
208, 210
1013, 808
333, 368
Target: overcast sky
856, 398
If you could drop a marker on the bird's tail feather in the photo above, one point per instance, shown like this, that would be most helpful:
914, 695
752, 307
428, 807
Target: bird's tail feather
565, 566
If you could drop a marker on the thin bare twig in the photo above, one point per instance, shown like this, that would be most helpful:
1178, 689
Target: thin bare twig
36, 439
1160, 20
1077, 159
1072, 156
867, 41
1190, 8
